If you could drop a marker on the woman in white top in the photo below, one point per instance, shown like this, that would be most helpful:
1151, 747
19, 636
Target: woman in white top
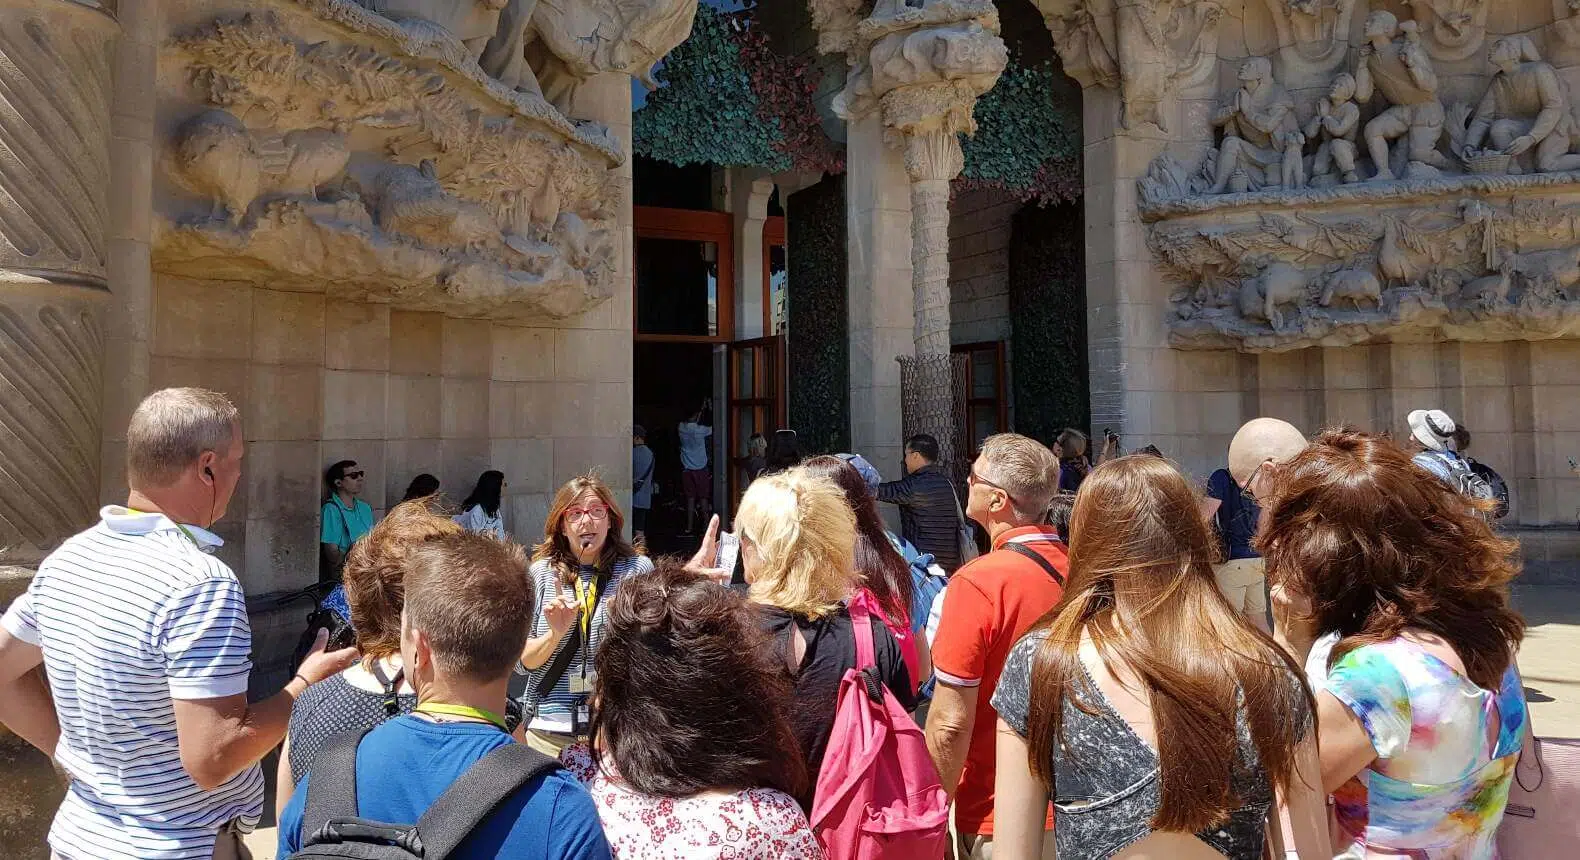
692, 753
481, 511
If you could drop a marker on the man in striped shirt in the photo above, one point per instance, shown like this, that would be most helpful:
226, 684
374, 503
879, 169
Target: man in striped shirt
145, 640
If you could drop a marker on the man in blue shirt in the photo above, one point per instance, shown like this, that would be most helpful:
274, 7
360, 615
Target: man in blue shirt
346, 518
465, 619
1255, 453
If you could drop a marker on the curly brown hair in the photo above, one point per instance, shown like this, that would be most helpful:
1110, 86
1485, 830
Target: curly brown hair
691, 695
375, 574
1380, 545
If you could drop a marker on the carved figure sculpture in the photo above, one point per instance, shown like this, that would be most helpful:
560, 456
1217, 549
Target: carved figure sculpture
1259, 127
1525, 106
1357, 285
1489, 291
313, 157
1551, 270
1085, 46
410, 202
1159, 42
1313, 31
1455, 29
473, 22
1278, 284
1337, 125
1393, 62
214, 155
559, 43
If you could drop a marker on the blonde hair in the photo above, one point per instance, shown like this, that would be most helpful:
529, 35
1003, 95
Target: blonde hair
805, 537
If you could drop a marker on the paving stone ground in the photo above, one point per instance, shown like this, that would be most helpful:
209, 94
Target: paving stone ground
1550, 661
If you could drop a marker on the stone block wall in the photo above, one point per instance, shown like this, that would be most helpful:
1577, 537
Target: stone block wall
979, 236
401, 392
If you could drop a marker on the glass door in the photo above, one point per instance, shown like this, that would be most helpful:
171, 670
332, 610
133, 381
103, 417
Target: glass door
756, 403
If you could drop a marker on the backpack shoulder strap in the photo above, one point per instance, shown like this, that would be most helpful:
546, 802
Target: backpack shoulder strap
332, 786
1028, 552
487, 784
861, 625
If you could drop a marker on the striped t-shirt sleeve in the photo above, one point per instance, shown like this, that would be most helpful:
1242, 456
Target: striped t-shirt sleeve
206, 640
19, 620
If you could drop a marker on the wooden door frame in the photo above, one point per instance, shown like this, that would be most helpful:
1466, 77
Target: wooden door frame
656, 222
773, 234
1001, 388
778, 405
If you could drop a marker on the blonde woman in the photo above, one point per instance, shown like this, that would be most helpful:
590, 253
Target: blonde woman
798, 539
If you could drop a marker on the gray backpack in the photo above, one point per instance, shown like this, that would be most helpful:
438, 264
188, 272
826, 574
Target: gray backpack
1464, 479
331, 828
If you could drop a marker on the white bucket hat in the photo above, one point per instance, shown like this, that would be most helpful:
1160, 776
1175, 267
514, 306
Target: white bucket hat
1431, 427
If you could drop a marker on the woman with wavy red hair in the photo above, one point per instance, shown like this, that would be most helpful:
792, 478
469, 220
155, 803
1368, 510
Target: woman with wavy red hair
1159, 721
1419, 701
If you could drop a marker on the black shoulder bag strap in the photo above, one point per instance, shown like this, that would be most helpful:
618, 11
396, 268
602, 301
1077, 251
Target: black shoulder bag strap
332, 787
1028, 552
573, 643
487, 784
391, 688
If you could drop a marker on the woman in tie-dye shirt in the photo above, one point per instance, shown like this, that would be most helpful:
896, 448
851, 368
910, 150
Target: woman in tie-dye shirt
1419, 702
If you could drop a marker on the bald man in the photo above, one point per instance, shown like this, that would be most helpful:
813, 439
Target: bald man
1254, 454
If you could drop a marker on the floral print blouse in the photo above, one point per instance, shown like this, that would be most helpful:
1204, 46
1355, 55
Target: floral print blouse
755, 824
1446, 750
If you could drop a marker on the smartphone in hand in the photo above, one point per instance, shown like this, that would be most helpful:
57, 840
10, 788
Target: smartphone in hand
729, 550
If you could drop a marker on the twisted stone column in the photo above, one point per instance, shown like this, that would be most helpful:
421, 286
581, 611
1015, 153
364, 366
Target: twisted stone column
55, 58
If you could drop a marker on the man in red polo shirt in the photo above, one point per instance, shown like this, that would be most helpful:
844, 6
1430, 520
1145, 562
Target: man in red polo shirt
989, 604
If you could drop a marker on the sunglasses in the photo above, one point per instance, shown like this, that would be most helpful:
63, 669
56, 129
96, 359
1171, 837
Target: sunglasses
357, 474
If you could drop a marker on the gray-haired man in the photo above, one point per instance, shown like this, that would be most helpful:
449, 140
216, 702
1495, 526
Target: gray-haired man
145, 639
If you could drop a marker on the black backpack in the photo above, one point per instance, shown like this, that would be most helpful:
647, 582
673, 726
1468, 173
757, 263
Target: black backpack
331, 828
1500, 488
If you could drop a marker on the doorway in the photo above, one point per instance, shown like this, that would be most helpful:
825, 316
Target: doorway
671, 382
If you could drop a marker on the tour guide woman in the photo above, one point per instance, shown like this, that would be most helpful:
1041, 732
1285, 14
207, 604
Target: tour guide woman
580, 563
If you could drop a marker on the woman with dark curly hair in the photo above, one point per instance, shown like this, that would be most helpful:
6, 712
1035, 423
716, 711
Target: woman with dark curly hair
1405, 586
691, 728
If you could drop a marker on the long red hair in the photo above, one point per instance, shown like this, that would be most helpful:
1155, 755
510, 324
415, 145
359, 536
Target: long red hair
1380, 545
1142, 587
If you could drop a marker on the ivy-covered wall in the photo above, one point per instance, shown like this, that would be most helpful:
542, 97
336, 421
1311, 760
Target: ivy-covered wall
1047, 310
819, 318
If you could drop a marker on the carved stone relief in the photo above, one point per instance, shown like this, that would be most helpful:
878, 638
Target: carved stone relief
54, 176
348, 165
1312, 34
549, 46
1451, 29
1148, 48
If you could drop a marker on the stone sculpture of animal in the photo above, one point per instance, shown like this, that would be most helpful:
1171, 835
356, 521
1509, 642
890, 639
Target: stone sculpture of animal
1353, 284
411, 202
1489, 291
1558, 268
214, 155
1276, 285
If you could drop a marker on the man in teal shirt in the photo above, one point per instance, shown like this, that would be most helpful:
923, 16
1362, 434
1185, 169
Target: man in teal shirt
345, 517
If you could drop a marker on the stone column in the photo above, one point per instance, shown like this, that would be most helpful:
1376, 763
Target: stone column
750, 191
55, 58
921, 69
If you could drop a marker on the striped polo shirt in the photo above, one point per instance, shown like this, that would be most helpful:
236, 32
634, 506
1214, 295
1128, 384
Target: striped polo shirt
556, 709
131, 615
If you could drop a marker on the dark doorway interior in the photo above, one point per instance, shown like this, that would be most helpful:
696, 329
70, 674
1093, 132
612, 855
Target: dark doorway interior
671, 381
1047, 304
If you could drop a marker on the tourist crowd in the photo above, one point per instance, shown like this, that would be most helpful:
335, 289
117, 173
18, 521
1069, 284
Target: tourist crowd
1108, 679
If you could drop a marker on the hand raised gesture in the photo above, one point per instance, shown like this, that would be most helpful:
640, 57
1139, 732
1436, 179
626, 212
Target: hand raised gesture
561, 610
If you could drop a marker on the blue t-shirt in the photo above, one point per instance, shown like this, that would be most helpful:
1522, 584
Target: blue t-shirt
1237, 517
406, 763
343, 526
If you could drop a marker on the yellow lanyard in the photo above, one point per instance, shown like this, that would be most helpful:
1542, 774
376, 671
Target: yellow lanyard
587, 593
441, 709
136, 513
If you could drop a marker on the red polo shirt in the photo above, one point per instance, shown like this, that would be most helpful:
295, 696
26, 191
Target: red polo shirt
990, 603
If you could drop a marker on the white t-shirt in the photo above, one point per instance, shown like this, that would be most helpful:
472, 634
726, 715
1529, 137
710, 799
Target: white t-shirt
475, 519
694, 445
754, 824
131, 615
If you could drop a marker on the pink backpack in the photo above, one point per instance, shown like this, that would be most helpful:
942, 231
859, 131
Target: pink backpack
878, 796
901, 632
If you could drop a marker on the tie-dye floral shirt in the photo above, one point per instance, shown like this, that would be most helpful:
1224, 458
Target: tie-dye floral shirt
1445, 753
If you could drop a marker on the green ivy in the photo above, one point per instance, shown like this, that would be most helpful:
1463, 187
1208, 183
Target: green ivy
819, 321
1028, 139
1047, 311
725, 98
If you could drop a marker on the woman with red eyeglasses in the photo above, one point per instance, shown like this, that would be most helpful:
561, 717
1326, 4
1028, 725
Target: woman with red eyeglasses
579, 565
